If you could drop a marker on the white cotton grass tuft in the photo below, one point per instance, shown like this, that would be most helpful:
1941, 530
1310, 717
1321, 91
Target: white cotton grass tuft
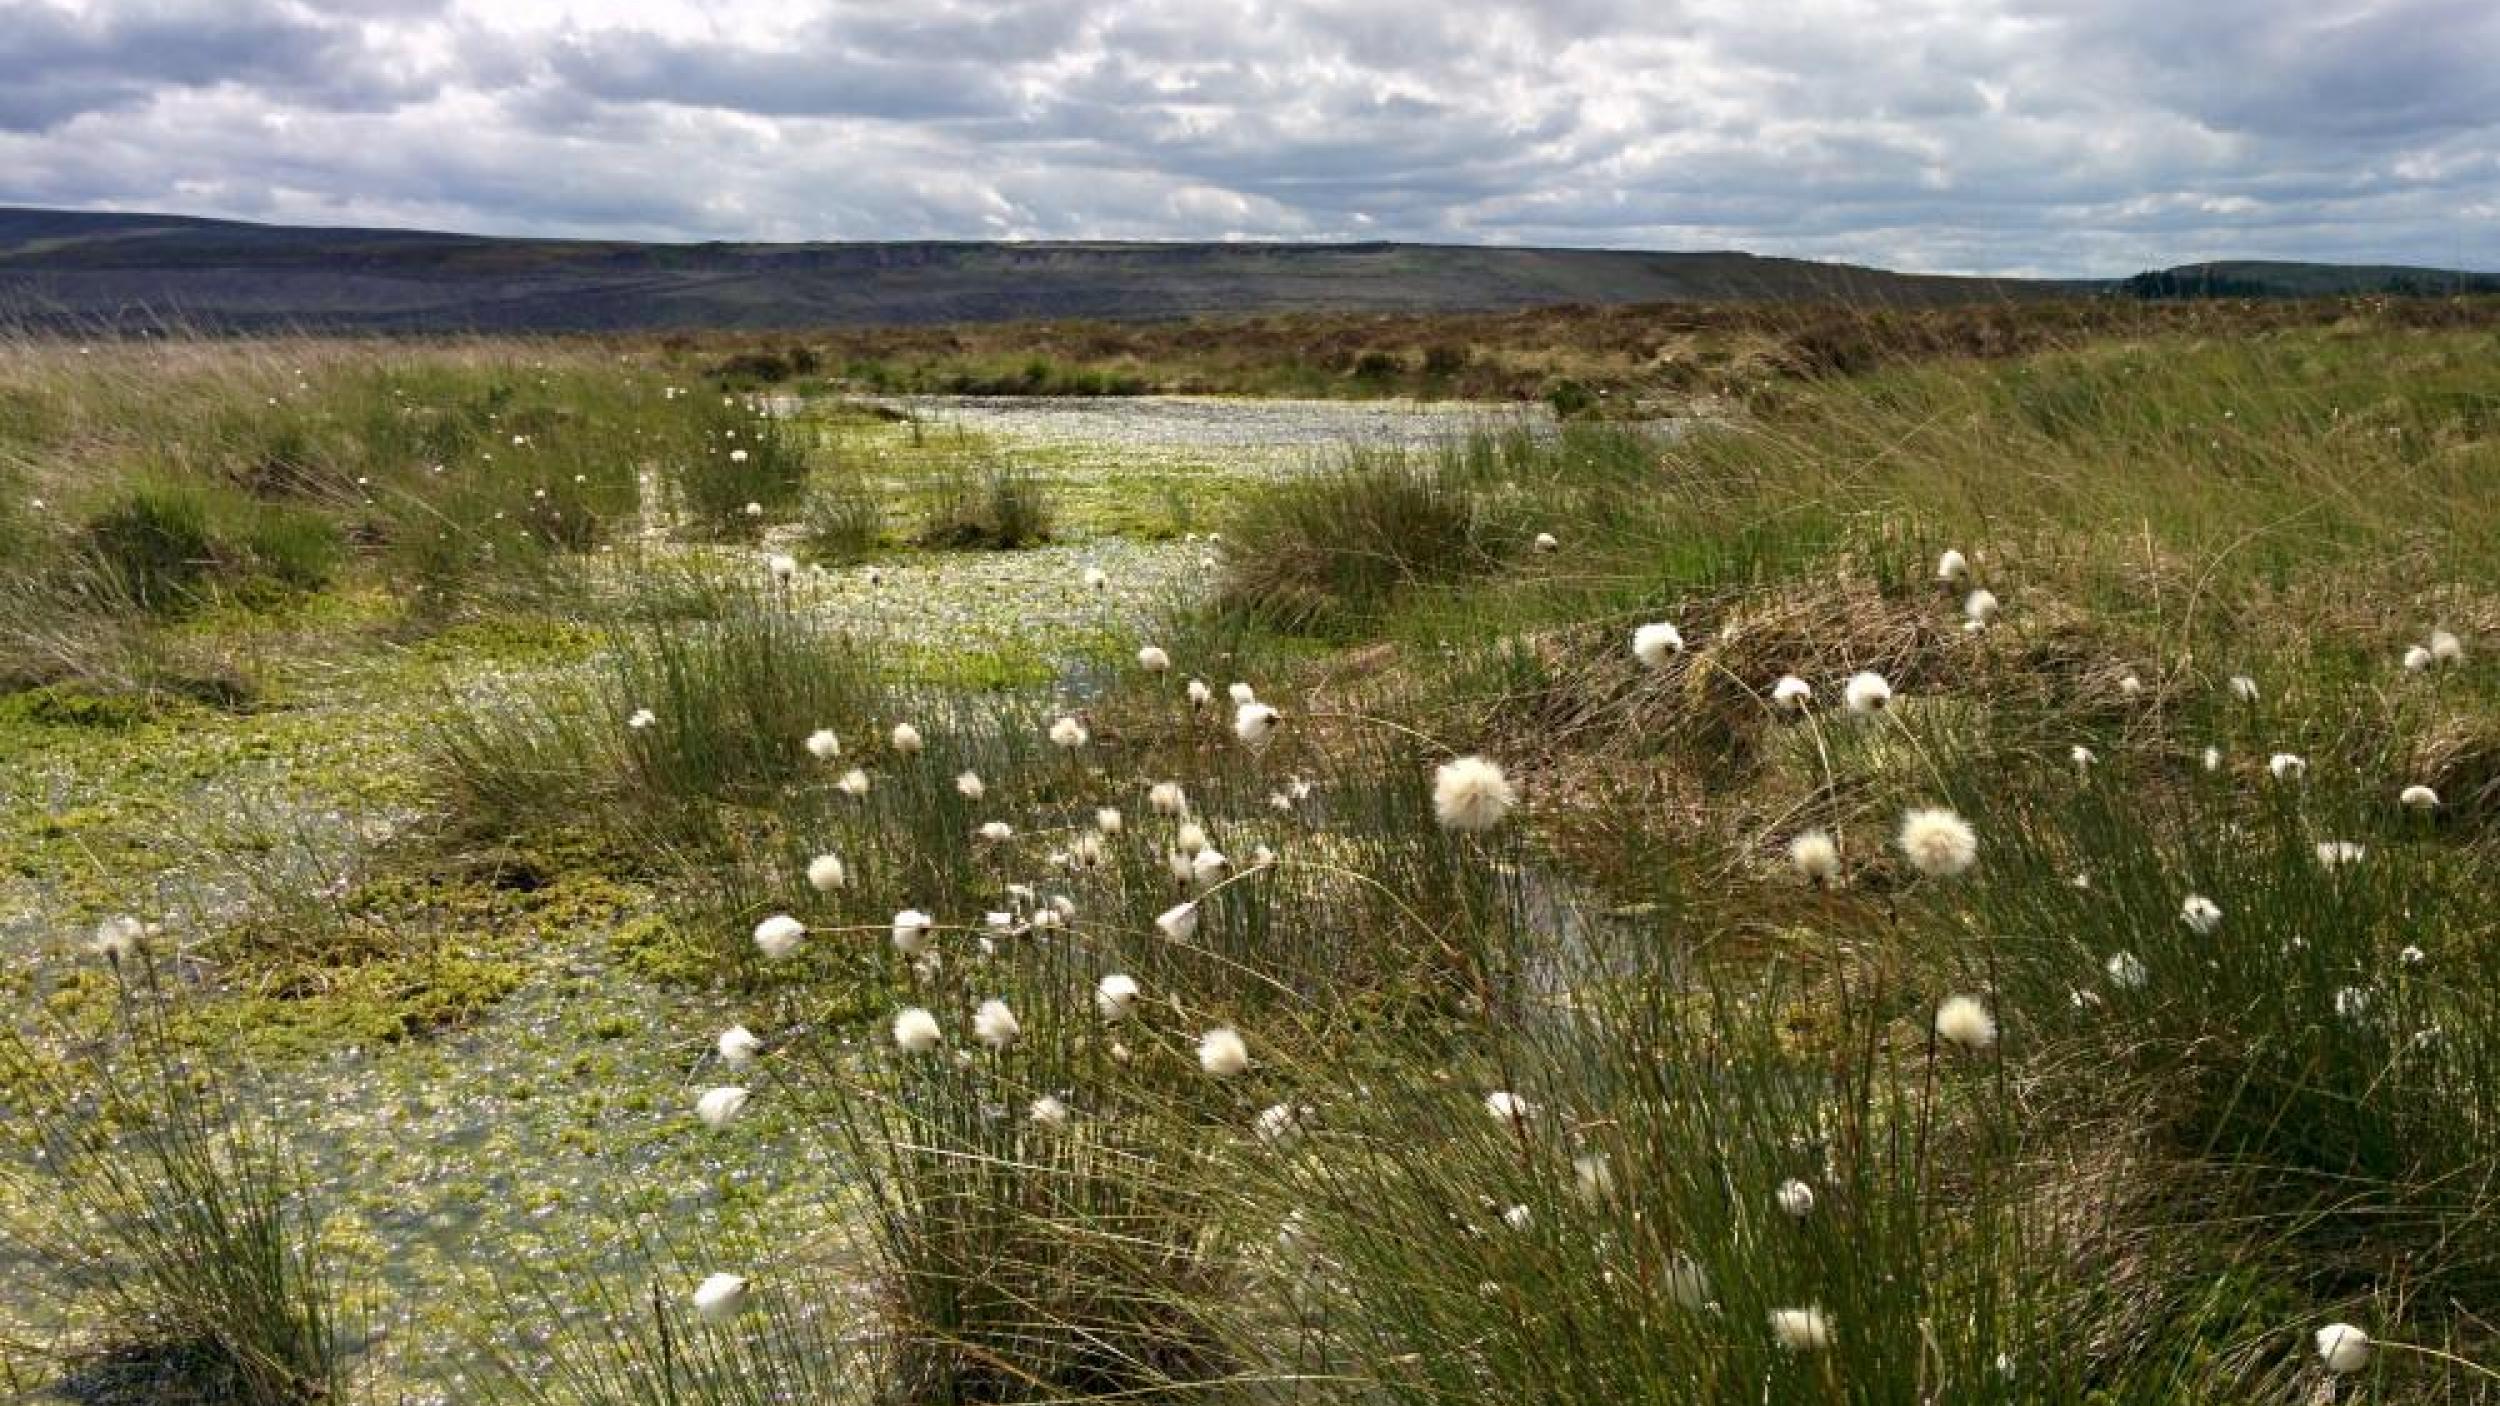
1816, 858
2202, 915
1278, 1125
1240, 693
1866, 692
1791, 694
1656, 643
1801, 1329
1952, 568
854, 783
1938, 843
911, 931
782, 567
720, 1297
906, 739
1199, 694
2126, 971
1179, 922
1114, 997
2083, 757
1068, 733
1965, 1021
118, 939
1153, 660
970, 786
2286, 766
778, 936
642, 718
1190, 838
1097, 579
1507, 1107
1471, 794
1796, 1199
823, 745
2335, 854
1208, 866
1223, 1053
720, 1107
825, 873
2418, 798
994, 1025
2130, 686
916, 1031
1255, 723
1167, 798
2446, 648
2344, 1348
1048, 1114
996, 832
1980, 606
2244, 688
1546, 542
2212, 759
738, 1047
1108, 820
2416, 659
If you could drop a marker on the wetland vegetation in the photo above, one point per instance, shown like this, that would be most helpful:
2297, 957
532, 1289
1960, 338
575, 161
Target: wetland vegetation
1956, 868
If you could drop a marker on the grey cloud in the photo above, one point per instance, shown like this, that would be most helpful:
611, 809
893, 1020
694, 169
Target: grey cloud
56, 64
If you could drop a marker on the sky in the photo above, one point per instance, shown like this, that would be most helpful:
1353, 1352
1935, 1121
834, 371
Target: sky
2078, 137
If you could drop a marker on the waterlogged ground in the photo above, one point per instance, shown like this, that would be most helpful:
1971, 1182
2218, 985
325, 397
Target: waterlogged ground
539, 1126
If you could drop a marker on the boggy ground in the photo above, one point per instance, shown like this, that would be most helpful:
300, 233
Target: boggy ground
1539, 1004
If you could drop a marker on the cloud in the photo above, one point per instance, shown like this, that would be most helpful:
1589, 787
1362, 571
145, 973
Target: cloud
2072, 136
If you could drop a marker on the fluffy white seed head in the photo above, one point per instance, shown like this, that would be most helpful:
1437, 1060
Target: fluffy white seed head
738, 1046
1068, 733
1471, 794
2286, 766
1222, 1053
720, 1297
2446, 647
778, 936
911, 931
1801, 1329
1866, 692
854, 783
2416, 659
906, 739
1255, 723
1199, 694
1815, 857
1153, 660
1964, 1021
2126, 971
996, 832
2344, 1348
1190, 838
2083, 757
1952, 567
2201, 914
2335, 854
782, 567
1796, 1199
1791, 694
2213, 759
2243, 688
1096, 579
1167, 798
1108, 820
996, 1026
1208, 866
916, 1031
720, 1107
1277, 1125
117, 939
823, 745
1656, 643
1178, 922
1545, 542
1938, 843
2130, 686
1240, 693
1114, 996
825, 873
2418, 798
1980, 606
642, 718
1048, 1114
1507, 1107
970, 786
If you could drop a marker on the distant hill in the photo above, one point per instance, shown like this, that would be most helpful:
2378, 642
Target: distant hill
2256, 278
81, 269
